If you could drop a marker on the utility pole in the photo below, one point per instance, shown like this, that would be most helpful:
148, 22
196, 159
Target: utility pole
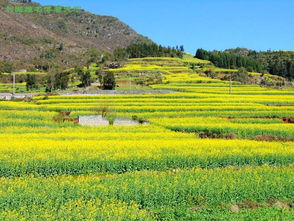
231, 84
13, 76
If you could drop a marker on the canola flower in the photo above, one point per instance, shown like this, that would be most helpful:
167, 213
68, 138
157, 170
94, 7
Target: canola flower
71, 151
63, 171
150, 195
241, 127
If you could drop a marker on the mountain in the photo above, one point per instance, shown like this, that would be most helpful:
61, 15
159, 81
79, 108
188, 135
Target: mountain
26, 36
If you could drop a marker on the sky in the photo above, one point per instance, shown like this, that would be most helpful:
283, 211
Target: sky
209, 24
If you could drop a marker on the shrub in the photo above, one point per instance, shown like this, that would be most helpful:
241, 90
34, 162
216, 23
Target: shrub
31, 82
106, 79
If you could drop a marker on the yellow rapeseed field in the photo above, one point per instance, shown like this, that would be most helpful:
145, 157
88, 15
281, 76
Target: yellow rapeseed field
203, 154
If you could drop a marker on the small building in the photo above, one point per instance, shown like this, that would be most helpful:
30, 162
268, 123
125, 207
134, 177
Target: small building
22, 71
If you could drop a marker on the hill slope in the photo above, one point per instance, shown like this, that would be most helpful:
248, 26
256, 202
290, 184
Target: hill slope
27, 35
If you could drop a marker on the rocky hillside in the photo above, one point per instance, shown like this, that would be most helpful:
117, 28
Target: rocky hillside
24, 36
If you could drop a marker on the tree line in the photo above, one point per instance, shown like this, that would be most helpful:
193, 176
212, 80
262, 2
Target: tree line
148, 50
230, 60
279, 63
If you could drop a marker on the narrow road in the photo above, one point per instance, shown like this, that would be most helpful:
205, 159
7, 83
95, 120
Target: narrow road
9, 96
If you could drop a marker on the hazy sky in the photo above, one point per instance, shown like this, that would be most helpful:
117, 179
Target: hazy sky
208, 24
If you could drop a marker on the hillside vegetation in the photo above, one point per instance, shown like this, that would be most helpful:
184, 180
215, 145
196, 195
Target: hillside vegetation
279, 63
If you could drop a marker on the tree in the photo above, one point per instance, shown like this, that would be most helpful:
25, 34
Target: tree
61, 81
182, 48
147, 50
31, 82
49, 82
120, 54
106, 79
227, 59
85, 78
109, 81
56, 80
202, 54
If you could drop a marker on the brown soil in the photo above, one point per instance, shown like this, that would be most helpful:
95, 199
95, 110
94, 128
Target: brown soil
252, 205
280, 105
234, 118
210, 135
272, 138
288, 120
63, 117
282, 205
196, 208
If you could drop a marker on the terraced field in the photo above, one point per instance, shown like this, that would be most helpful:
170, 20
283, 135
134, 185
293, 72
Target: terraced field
8, 87
6, 82
206, 154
